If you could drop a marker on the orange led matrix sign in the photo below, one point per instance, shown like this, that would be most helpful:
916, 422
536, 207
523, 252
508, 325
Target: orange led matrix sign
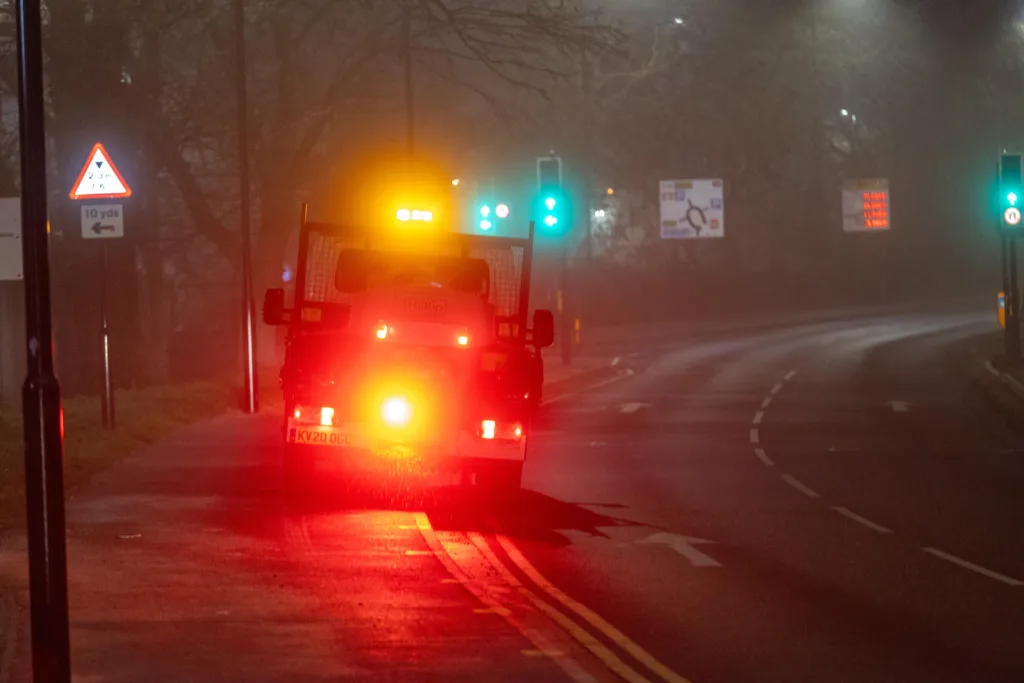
866, 205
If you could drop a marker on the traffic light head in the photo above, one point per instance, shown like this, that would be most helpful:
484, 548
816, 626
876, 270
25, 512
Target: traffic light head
1011, 188
488, 215
552, 213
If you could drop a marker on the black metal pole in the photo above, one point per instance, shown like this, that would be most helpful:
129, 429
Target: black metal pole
1004, 251
566, 312
250, 383
107, 398
42, 416
1012, 304
410, 112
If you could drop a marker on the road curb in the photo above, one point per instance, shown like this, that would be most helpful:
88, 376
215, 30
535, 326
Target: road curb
1013, 384
1006, 391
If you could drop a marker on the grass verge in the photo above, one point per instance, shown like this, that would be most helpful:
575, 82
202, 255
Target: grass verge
143, 417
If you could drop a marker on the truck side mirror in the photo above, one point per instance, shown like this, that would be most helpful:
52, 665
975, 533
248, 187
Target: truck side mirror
273, 307
543, 328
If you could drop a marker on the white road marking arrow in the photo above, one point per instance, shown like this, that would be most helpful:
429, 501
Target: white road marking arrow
898, 406
630, 408
684, 545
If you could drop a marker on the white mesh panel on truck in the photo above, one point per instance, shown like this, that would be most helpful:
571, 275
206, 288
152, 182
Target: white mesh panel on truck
506, 266
321, 263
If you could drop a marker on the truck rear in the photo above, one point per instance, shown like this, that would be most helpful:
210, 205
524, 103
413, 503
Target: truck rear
409, 351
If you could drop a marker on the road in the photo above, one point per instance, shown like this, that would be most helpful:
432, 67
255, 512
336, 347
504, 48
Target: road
833, 501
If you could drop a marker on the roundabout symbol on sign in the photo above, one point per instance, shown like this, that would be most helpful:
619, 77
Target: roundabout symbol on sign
1012, 216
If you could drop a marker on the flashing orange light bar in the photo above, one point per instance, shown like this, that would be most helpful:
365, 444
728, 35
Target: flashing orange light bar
406, 215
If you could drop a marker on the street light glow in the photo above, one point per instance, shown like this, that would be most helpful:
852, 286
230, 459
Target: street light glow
679, 21
455, 182
844, 112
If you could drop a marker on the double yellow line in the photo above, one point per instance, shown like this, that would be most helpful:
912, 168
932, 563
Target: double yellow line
599, 650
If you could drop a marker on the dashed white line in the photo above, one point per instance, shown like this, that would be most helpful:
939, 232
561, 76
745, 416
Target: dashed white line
776, 389
758, 416
800, 486
959, 561
850, 514
763, 457
754, 436
790, 375
766, 402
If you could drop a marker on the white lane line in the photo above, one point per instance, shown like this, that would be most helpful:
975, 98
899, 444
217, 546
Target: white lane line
562, 397
758, 416
777, 388
799, 486
763, 457
790, 375
766, 402
1002, 578
754, 436
991, 368
850, 514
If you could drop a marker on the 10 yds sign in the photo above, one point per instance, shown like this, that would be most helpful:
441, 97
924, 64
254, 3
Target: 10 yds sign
102, 221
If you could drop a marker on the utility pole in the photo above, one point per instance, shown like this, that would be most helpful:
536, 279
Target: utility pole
41, 404
252, 403
410, 114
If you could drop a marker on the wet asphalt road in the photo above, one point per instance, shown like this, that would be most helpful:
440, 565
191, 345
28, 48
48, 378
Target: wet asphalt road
833, 501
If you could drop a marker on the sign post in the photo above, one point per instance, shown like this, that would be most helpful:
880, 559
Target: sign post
100, 179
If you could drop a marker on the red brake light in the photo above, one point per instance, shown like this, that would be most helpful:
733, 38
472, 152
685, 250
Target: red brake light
382, 330
326, 416
487, 429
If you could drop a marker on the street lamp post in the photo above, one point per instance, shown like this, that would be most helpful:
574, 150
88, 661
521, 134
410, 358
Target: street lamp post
251, 404
41, 404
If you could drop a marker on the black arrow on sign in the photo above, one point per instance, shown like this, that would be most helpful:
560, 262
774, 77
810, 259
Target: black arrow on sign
99, 228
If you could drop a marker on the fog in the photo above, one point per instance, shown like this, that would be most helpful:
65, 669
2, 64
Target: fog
782, 101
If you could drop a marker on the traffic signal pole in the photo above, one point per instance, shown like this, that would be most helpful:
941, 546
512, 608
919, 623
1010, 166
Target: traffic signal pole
565, 312
41, 403
1012, 305
1011, 192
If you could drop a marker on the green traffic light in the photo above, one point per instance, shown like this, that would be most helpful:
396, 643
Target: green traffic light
485, 211
1012, 198
550, 221
550, 203
485, 224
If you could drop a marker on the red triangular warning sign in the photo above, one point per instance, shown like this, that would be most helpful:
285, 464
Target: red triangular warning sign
99, 178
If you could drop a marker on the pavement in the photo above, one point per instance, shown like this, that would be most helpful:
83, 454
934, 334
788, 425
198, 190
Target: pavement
835, 500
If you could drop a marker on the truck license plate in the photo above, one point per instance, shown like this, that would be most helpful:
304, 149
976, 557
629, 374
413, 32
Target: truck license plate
317, 436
